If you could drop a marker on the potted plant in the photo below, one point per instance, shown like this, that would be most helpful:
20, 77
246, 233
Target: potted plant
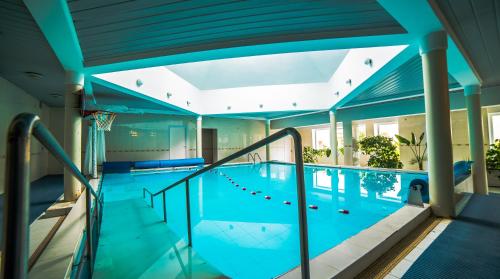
416, 148
382, 151
311, 155
493, 164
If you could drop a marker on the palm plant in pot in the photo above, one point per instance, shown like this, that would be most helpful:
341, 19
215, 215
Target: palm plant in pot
493, 164
416, 148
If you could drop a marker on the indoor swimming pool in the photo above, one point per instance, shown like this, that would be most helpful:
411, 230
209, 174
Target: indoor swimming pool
245, 218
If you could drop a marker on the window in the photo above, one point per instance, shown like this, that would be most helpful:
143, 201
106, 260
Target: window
386, 129
360, 131
494, 126
321, 138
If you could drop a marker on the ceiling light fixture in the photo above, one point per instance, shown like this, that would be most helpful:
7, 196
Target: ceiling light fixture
169, 95
336, 93
55, 95
228, 107
294, 104
188, 103
349, 82
33, 75
369, 62
261, 106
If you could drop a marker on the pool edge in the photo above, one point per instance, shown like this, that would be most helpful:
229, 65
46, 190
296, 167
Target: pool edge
356, 253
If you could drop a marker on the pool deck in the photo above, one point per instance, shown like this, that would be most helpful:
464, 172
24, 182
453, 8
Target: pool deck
136, 243
356, 253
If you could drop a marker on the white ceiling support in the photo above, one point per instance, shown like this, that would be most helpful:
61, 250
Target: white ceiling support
158, 83
55, 22
419, 19
54, 19
284, 97
356, 73
127, 82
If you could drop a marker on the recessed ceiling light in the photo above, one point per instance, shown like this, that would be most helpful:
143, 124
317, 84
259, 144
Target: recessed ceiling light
294, 104
138, 82
169, 95
261, 106
228, 107
55, 95
33, 75
188, 103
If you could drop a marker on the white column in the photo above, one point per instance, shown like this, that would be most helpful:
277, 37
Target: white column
72, 132
437, 117
347, 133
268, 147
198, 137
476, 144
94, 148
333, 138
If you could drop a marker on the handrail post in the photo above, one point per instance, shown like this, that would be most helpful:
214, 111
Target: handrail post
88, 209
164, 208
301, 204
15, 241
188, 215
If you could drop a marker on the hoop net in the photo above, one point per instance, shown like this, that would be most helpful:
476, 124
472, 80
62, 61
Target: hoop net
104, 119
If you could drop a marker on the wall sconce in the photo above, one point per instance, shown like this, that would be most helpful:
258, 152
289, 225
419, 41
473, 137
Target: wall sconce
139, 83
169, 95
369, 62
349, 82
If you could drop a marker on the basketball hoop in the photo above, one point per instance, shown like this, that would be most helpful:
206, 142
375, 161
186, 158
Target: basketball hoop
104, 119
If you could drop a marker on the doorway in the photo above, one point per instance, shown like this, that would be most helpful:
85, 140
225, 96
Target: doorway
177, 142
209, 145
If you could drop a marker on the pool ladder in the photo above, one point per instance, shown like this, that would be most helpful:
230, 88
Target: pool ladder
254, 157
301, 192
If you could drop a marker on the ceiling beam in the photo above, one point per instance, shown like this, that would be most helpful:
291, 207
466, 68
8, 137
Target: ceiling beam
406, 12
262, 49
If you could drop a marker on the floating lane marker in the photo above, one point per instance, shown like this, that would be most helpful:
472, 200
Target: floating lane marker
244, 188
312, 206
344, 211
253, 192
287, 202
267, 197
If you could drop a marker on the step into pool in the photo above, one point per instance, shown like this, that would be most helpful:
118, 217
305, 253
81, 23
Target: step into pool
245, 218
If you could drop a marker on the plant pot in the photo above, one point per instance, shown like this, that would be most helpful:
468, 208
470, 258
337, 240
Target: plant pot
494, 178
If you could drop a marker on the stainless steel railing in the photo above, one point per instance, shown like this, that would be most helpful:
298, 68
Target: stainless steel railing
17, 194
301, 193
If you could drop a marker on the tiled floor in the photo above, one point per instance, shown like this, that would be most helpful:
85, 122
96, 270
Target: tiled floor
405, 264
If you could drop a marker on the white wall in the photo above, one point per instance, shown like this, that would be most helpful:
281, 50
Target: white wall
13, 101
146, 137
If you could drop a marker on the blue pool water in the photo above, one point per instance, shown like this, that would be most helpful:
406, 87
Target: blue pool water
248, 236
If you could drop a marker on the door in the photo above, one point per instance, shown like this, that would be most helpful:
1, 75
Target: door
177, 142
209, 145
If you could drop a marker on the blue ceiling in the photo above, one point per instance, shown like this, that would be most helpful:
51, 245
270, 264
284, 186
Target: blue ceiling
123, 30
403, 82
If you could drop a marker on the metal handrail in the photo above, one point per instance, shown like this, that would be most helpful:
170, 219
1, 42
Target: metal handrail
17, 192
257, 155
250, 156
301, 193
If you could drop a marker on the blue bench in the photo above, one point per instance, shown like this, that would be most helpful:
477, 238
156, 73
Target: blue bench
461, 170
169, 163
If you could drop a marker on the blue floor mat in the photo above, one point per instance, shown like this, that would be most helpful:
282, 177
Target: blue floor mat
44, 192
468, 248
